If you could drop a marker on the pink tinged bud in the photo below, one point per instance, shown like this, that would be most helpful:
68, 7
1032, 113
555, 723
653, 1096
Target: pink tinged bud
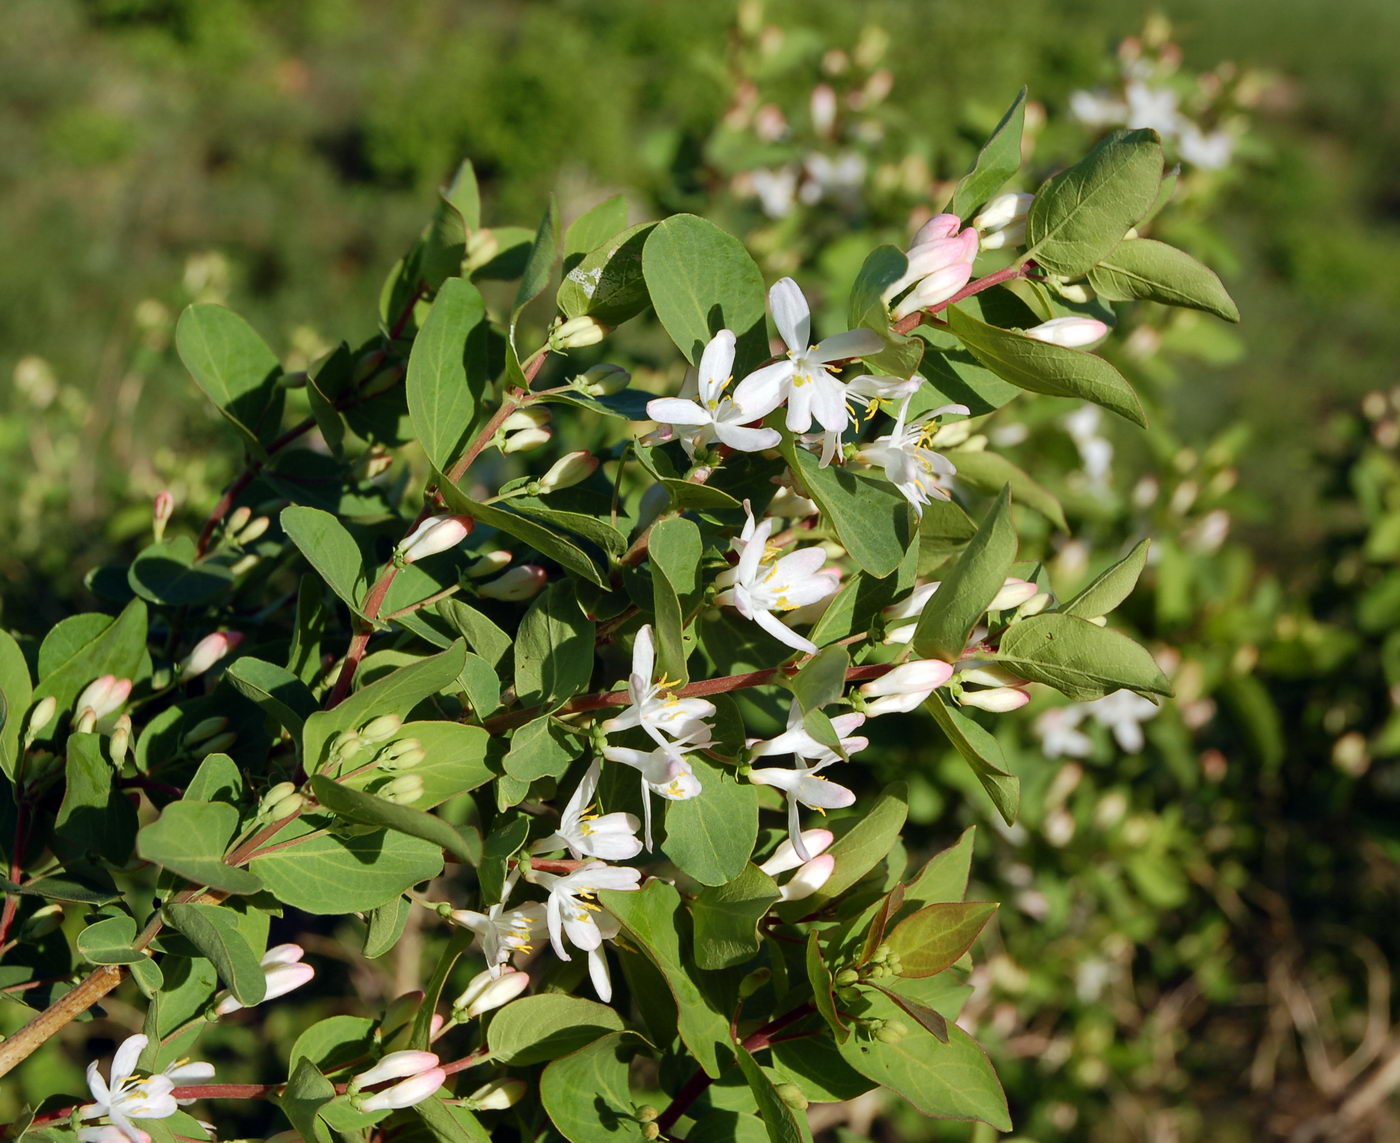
524, 582
1013, 593
569, 470
938, 287
809, 878
487, 992
498, 1095
785, 857
435, 534
161, 511
396, 1065
435, 1025
527, 439
104, 695
406, 1094
1070, 332
939, 226
209, 651
489, 564
999, 700
907, 678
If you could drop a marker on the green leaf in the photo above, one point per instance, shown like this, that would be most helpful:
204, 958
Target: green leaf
702, 280
594, 227
853, 607
1079, 659
463, 195
608, 283
867, 310
948, 1081
592, 528
1039, 367
935, 937
872, 520
655, 921
677, 547
820, 978
15, 694
586, 1093
821, 680
726, 918
366, 809
980, 751
711, 836
1141, 269
539, 266
783, 1123
85, 647
553, 649
420, 1036
455, 763
447, 371
330, 549
544, 540
235, 369
1110, 588
686, 494
95, 817
327, 874
996, 162
305, 1094
109, 941
960, 602
190, 838
482, 636
502, 843
944, 530
279, 692
540, 749
669, 626
865, 842
450, 1122
214, 931
991, 472
1082, 213
386, 926
943, 877
929, 1019
167, 574
398, 694
538, 1028
334, 1042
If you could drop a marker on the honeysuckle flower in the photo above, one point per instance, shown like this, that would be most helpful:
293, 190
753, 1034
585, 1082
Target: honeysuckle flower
489, 563
712, 416
803, 379
122, 1097
187, 1071
413, 1090
1095, 451
810, 876
1210, 150
804, 786
757, 588
664, 716
572, 911
941, 256
578, 333
568, 470
497, 1095
611, 837
209, 651
487, 991
796, 741
906, 687
909, 463
103, 696
1070, 332
1059, 732
1123, 713
435, 534
283, 971
1013, 593
1002, 222
526, 439
502, 932
396, 1065
999, 700
664, 771
784, 858
523, 582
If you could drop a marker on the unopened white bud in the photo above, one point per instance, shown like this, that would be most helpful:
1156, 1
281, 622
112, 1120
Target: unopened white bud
486, 992
1069, 332
577, 333
919, 675
42, 922
104, 695
1003, 210
1013, 593
403, 790
245, 565
785, 857
407, 1094
254, 531
497, 1095
207, 652
603, 380
219, 743
526, 439
286, 807
1034, 605
435, 534
999, 700
810, 877
120, 741
86, 722
405, 759
39, 718
238, 518
489, 564
523, 582
276, 793
568, 470
381, 729
533, 418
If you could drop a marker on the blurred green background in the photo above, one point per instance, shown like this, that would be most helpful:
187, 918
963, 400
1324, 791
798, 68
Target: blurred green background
1238, 894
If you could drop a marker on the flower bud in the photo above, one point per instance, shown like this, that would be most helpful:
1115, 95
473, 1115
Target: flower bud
937, 287
396, 1065
254, 531
405, 1094
489, 564
1070, 332
405, 759
403, 790
1013, 593
161, 511
86, 721
286, 807
245, 565
526, 439
651, 1132
847, 977
276, 793
602, 380
939, 226
345, 746
204, 730
535, 417
207, 652
785, 857
497, 1095
41, 923
103, 696
568, 470
999, 700
382, 728
892, 1032
648, 1114
523, 582
435, 534
791, 1095
1002, 222
482, 246
238, 518
486, 992
39, 718
920, 675
120, 740
1034, 605
808, 879
577, 333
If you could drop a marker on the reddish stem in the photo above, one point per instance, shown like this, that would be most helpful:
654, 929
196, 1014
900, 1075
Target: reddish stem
907, 324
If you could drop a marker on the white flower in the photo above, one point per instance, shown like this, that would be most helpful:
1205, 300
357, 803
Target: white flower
424, 1078
714, 416
123, 1097
1153, 107
803, 787
502, 932
906, 687
664, 771
803, 380
756, 588
909, 464
433, 535
611, 837
654, 708
1070, 332
810, 877
776, 189
1059, 732
283, 971
1002, 222
488, 990
1210, 151
1096, 110
939, 261
785, 857
573, 912
1095, 450
795, 740
1123, 712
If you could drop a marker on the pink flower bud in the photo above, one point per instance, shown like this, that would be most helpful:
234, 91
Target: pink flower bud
209, 651
396, 1065
937, 287
523, 582
999, 700
435, 534
104, 695
161, 511
785, 857
921, 675
939, 226
406, 1094
1013, 593
1070, 332
809, 878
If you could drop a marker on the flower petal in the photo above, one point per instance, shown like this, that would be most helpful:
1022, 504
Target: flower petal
791, 314
852, 343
